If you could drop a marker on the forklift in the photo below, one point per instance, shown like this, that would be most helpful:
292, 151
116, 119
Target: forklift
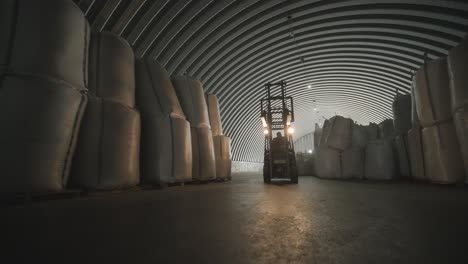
277, 115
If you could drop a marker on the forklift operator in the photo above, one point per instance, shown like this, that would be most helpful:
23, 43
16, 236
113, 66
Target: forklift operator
279, 139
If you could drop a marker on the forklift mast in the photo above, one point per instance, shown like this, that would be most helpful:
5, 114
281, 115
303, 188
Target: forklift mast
277, 113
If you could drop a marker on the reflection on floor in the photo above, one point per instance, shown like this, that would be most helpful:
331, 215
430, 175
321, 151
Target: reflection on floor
245, 221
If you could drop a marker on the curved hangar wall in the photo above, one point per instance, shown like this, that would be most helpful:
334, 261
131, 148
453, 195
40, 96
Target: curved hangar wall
339, 57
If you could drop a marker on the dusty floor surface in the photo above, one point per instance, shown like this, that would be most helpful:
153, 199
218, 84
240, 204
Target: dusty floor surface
245, 221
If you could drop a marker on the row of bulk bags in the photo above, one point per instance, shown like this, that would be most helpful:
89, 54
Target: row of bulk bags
166, 148
43, 92
356, 143
440, 145
107, 154
192, 99
458, 62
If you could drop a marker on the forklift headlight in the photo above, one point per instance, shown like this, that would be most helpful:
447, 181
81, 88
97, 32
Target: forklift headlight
290, 130
264, 123
265, 131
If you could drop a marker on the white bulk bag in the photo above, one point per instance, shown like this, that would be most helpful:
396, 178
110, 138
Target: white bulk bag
166, 149
432, 94
341, 132
214, 114
443, 162
380, 164
108, 148
112, 68
352, 163
360, 136
222, 150
203, 156
401, 153
192, 99
461, 125
415, 152
327, 163
155, 92
458, 63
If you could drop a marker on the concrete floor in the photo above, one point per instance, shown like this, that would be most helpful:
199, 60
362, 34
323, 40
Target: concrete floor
245, 221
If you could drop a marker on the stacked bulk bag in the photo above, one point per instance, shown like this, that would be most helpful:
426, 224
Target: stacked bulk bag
336, 136
340, 134
166, 148
192, 99
458, 62
222, 143
379, 163
440, 144
402, 124
107, 155
42, 92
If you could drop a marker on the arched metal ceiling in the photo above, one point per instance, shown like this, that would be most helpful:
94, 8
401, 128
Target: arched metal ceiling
347, 57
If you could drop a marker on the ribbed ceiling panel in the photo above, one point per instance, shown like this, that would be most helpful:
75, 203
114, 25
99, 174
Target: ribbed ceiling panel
346, 57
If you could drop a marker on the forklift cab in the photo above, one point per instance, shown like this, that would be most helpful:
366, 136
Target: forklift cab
277, 113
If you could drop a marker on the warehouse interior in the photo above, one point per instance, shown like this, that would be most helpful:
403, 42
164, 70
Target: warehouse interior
131, 131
